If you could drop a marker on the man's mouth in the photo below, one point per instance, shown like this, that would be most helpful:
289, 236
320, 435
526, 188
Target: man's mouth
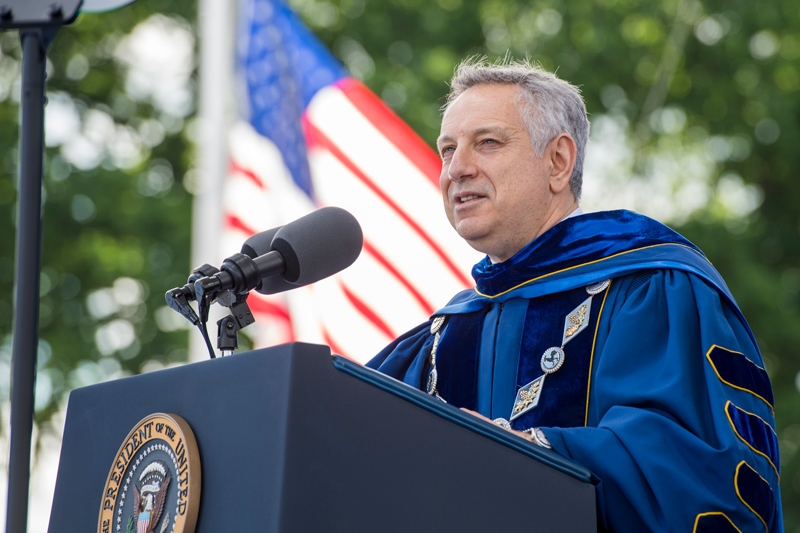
462, 199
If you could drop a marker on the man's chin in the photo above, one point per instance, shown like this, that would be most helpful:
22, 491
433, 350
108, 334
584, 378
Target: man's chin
471, 232
478, 241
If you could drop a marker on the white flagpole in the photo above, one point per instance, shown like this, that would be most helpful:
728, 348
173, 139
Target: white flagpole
216, 73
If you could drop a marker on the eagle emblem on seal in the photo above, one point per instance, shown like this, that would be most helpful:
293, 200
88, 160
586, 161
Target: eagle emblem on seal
149, 496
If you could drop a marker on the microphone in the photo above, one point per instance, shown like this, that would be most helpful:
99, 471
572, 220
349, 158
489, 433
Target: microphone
318, 245
178, 299
260, 244
302, 252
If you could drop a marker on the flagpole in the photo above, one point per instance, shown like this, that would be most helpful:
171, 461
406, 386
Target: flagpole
216, 72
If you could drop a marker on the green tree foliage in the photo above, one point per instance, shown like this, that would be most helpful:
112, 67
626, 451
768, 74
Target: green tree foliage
721, 77
705, 97
116, 216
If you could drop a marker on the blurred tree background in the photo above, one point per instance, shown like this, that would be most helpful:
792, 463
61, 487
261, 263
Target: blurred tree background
694, 108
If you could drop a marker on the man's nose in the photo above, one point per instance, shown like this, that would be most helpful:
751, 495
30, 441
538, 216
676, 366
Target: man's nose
462, 164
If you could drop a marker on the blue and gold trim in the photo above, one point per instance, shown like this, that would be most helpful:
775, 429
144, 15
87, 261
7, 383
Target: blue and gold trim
736, 370
584, 250
591, 355
756, 433
714, 523
594, 247
754, 491
588, 263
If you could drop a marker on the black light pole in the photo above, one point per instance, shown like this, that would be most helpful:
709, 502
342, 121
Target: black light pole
37, 21
28, 266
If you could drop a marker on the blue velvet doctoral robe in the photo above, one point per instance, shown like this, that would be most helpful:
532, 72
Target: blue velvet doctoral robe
663, 395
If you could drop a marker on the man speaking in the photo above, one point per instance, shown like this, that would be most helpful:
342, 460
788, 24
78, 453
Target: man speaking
606, 337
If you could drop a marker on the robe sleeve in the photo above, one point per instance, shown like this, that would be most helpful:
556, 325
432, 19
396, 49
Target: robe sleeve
405, 358
680, 429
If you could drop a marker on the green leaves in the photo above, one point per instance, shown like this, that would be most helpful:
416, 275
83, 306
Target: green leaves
694, 109
116, 218
712, 149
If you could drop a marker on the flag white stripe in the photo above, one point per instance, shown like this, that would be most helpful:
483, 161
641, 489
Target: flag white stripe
387, 231
333, 114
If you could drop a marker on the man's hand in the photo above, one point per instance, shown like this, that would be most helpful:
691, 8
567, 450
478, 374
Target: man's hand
522, 434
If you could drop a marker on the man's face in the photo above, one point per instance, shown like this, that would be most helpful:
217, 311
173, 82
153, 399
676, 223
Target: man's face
496, 191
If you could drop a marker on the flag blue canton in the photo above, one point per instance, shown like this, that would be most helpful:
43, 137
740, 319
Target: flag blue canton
284, 66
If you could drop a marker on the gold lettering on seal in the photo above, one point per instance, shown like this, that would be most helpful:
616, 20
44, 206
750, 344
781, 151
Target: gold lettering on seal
156, 431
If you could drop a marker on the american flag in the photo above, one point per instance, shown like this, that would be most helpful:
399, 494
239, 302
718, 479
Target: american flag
312, 136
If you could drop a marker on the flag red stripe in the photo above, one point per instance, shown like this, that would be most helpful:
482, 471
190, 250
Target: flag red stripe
236, 168
368, 313
371, 250
264, 307
235, 222
390, 125
315, 136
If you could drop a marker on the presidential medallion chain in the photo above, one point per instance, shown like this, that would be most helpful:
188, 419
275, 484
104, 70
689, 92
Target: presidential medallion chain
553, 358
433, 375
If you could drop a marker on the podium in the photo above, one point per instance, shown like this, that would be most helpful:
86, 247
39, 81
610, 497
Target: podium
292, 439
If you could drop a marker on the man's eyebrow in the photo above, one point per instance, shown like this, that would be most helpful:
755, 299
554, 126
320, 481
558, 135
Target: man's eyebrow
498, 130
443, 139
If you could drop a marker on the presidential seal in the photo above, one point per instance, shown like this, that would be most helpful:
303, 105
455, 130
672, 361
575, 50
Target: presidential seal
154, 483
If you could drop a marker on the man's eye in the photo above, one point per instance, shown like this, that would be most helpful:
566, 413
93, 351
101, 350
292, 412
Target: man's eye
446, 150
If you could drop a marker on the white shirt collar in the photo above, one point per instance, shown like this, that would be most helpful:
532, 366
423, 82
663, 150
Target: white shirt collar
575, 213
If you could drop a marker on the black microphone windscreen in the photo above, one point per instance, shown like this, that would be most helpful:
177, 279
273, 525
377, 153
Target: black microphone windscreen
318, 245
258, 245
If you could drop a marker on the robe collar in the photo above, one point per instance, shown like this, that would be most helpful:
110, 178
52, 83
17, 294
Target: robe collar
574, 241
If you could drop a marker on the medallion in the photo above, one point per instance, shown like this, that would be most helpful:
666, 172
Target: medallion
552, 359
597, 288
528, 397
433, 379
433, 374
437, 323
577, 320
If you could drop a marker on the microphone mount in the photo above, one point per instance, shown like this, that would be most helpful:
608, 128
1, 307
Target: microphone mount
300, 253
229, 326
240, 274
229, 287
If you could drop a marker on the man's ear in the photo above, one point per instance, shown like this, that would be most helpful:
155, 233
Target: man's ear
562, 152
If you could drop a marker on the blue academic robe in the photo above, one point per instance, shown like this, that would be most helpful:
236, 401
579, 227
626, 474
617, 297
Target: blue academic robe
662, 393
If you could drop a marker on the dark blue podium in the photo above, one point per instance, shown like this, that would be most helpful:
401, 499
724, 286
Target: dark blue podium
295, 440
